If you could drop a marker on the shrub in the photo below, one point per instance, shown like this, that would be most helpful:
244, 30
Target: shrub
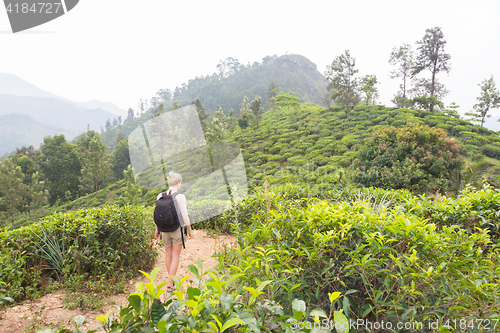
219, 304
416, 157
104, 242
393, 265
491, 151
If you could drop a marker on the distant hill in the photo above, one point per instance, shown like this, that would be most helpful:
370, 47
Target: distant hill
54, 112
14, 85
11, 84
294, 74
17, 130
23, 104
106, 106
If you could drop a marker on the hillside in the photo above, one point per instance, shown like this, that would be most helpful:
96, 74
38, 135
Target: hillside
317, 145
11, 84
335, 239
18, 130
312, 145
24, 105
294, 74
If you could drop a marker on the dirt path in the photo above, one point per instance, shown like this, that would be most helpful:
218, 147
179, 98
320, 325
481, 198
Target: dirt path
48, 310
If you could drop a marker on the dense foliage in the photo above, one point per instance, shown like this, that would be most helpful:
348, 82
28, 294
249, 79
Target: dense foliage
303, 144
212, 303
58, 173
314, 145
415, 157
371, 254
379, 249
107, 244
293, 73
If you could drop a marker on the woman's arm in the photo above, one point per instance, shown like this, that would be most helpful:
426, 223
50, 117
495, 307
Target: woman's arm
188, 225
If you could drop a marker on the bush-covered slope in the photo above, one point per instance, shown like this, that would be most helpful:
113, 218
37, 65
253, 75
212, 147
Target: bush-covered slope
110, 243
311, 144
293, 73
389, 264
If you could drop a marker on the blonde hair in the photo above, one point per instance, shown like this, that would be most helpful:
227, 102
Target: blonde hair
173, 178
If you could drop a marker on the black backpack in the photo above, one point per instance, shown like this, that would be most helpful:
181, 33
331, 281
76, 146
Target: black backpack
165, 214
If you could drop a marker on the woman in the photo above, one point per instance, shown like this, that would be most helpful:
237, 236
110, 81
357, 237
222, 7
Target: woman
173, 240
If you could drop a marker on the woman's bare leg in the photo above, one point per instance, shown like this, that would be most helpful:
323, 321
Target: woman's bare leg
168, 258
173, 262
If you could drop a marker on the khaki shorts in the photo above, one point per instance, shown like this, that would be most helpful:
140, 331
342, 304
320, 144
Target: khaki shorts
171, 238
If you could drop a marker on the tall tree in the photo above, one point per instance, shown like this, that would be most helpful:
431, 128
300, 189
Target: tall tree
343, 81
143, 105
489, 99
256, 111
218, 126
231, 121
60, 163
108, 125
154, 101
28, 167
37, 195
202, 114
12, 188
244, 106
130, 115
165, 95
244, 118
31, 152
228, 67
121, 158
272, 91
83, 140
404, 60
132, 190
369, 89
431, 56
96, 165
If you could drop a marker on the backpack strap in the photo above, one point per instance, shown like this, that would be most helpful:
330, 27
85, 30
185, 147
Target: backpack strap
163, 194
182, 236
181, 221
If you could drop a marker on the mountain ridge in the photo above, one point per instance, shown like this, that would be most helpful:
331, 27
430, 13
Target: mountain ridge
24, 105
11, 84
17, 130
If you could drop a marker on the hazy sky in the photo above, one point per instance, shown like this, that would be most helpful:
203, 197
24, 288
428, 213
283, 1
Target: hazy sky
120, 51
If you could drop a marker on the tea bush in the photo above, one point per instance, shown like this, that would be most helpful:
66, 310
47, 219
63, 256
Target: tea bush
415, 157
211, 303
473, 210
106, 242
329, 130
393, 265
